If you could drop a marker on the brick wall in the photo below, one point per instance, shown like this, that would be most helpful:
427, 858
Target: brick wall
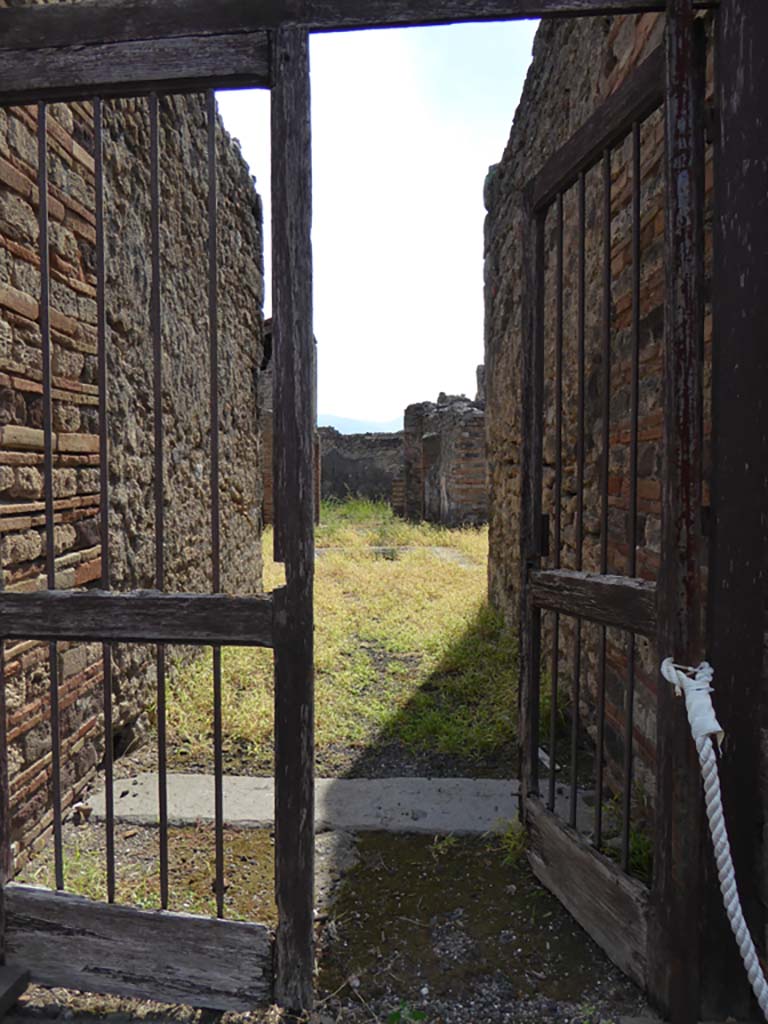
75, 403
445, 471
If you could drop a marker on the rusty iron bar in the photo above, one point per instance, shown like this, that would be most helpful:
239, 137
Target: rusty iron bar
581, 359
213, 327
604, 473
629, 714
50, 545
157, 369
531, 499
101, 336
6, 858
558, 498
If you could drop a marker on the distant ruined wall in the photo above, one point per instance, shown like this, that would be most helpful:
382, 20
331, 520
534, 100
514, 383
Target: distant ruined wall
185, 369
445, 470
364, 465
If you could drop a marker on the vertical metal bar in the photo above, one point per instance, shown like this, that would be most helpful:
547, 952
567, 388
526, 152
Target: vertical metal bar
6, 859
157, 373
737, 570
294, 362
101, 335
50, 547
581, 360
675, 925
558, 498
604, 473
213, 327
635, 357
532, 374
634, 399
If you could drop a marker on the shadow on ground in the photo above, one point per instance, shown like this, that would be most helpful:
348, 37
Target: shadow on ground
460, 722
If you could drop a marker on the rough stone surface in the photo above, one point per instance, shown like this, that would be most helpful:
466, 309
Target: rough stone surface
362, 465
185, 370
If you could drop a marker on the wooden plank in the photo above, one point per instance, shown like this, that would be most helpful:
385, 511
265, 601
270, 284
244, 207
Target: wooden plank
609, 905
73, 942
611, 600
140, 616
674, 936
531, 393
134, 67
294, 425
737, 576
639, 96
29, 28
13, 983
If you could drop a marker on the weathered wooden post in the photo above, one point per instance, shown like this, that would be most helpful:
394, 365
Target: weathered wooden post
294, 419
739, 476
675, 938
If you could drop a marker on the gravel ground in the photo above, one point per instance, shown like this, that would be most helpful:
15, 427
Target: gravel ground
454, 929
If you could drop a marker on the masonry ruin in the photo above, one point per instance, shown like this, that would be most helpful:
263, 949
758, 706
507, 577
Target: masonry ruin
362, 465
445, 478
185, 372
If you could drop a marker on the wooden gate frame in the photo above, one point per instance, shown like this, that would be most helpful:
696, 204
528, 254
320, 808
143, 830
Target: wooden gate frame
65, 52
673, 940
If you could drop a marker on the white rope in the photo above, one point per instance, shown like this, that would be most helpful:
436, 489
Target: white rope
695, 684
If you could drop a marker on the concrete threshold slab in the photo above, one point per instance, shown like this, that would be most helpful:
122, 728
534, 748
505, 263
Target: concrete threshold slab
431, 806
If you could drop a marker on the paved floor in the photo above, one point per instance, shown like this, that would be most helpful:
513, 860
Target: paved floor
433, 806
430, 806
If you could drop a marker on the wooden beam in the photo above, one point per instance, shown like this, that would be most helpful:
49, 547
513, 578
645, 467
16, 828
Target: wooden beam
611, 600
608, 904
737, 571
634, 100
143, 616
73, 942
294, 430
29, 28
134, 67
13, 983
674, 938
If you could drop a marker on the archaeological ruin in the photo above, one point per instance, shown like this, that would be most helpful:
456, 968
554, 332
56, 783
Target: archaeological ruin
362, 465
445, 469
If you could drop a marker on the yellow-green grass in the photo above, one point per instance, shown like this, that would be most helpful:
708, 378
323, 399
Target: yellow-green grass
407, 651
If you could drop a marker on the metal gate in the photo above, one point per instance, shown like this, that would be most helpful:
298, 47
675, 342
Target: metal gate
590, 638
91, 51
63, 939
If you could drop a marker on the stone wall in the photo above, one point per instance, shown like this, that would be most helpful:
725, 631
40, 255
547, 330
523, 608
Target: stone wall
561, 91
445, 472
130, 411
363, 465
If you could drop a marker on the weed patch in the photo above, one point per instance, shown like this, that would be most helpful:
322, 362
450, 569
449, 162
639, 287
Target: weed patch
407, 651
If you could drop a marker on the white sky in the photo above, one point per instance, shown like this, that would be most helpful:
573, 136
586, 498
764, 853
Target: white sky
405, 124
